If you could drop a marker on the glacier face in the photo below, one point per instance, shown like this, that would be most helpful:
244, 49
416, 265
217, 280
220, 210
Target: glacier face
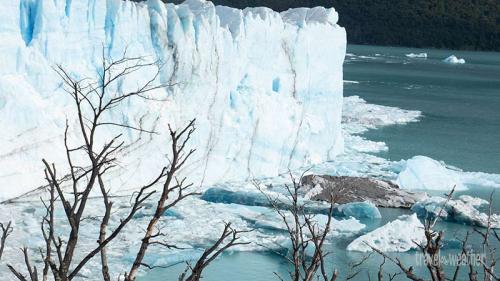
265, 87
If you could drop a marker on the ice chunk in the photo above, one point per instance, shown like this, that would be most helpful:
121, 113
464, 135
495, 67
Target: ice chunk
267, 218
464, 210
220, 195
359, 116
454, 60
399, 235
419, 55
424, 173
359, 210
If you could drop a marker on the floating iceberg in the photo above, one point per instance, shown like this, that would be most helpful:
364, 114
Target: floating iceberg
399, 235
424, 173
462, 210
454, 60
360, 210
419, 55
246, 198
265, 87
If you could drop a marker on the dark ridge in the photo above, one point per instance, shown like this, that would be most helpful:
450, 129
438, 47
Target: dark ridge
448, 24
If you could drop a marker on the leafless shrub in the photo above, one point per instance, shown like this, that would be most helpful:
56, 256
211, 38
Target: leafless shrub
304, 234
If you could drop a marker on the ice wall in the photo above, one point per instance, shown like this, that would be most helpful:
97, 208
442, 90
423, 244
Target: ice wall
265, 87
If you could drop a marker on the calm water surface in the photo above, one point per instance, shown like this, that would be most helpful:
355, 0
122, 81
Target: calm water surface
460, 103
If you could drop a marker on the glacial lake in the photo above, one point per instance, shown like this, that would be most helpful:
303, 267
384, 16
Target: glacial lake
460, 104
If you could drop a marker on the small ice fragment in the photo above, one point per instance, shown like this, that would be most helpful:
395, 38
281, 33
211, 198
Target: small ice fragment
454, 60
419, 55
358, 210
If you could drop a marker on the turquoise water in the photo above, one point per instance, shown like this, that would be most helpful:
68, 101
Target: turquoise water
460, 125
460, 103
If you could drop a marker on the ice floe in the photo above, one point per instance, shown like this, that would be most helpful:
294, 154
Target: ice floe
358, 116
419, 55
358, 210
399, 235
462, 210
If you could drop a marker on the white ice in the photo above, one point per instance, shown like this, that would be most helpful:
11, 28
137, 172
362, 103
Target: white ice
365, 210
265, 87
462, 210
419, 55
358, 116
454, 60
399, 235
424, 173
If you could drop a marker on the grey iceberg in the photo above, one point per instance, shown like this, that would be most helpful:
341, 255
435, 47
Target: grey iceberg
357, 189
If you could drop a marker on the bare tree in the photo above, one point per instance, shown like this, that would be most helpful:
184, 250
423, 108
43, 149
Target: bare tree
433, 243
92, 100
228, 239
489, 258
6, 231
304, 234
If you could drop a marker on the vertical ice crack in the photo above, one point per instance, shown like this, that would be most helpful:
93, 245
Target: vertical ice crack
250, 150
296, 141
212, 141
288, 54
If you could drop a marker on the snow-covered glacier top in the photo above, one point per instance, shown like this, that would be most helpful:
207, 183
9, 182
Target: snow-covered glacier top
265, 87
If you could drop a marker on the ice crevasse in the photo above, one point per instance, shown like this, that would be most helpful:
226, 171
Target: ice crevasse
265, 87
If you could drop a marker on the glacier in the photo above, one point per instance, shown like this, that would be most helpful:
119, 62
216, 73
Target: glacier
265, 87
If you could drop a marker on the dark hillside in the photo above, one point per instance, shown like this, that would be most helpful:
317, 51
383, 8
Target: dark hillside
452, 24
